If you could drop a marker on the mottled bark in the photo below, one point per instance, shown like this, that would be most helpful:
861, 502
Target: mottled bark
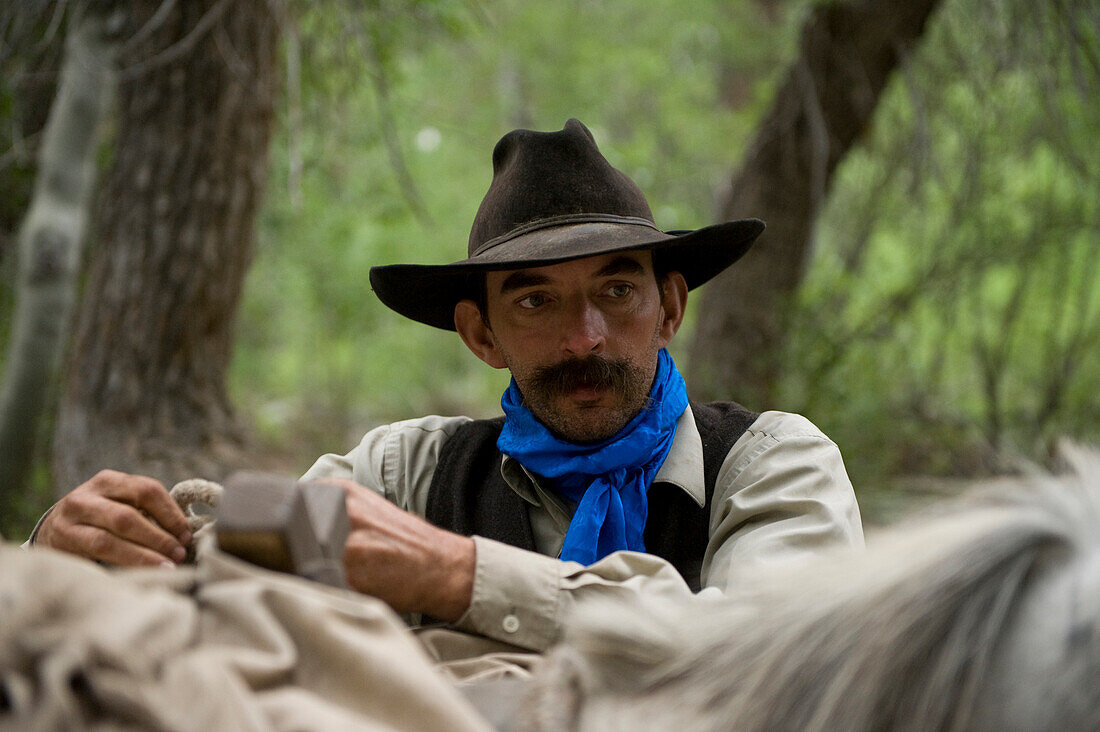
50, 243
146, 383
847, 53
31, 54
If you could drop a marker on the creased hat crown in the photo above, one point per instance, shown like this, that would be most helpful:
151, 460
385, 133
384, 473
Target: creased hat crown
539, 177
554, 197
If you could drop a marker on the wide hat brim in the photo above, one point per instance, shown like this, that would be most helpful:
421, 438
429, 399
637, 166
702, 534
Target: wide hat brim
429, 293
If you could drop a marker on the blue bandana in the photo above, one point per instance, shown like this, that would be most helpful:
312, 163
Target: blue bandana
608, 481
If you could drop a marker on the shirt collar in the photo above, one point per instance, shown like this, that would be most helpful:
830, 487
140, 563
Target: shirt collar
683, 466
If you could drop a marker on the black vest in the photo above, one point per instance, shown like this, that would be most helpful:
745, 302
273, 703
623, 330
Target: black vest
468, 494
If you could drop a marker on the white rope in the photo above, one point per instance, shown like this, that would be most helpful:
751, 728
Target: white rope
197, 492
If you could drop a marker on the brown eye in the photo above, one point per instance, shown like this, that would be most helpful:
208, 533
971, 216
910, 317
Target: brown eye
532, 301
619, 291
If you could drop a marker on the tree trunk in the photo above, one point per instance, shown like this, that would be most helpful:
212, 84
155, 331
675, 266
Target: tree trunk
50, 243
847, 52
30, 65
146, 384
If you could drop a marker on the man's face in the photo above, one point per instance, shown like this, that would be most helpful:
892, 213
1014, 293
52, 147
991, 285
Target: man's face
581, 338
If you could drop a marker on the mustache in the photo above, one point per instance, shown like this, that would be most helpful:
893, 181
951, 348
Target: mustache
591, 371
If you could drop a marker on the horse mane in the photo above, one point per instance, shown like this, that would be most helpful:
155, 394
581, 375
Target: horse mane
900, 636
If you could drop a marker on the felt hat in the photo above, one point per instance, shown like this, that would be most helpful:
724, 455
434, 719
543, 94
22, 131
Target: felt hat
553, 198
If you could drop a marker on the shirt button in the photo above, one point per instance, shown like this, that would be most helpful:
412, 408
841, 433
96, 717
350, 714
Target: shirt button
510, 624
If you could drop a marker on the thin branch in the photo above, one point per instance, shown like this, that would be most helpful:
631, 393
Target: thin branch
1086, 296
818, 133
151, 25
294, 113
17, 22
987, 368
1080, 340
1079, 43
7, 20
480, 13
51, 30
922, 150
939, 268
22, 148
233, 61
390, 138
179, 49
1060, 312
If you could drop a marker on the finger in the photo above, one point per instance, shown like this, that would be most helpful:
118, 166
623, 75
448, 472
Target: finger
150, 496
127, 523
350, 487
356, 497
97, 543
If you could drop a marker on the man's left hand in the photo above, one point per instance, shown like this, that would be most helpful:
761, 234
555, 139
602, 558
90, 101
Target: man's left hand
404, 560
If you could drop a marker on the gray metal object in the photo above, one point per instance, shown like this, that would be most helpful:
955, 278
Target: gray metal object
278, 523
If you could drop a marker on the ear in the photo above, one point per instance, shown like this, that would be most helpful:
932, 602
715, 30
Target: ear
476, 334
674, 293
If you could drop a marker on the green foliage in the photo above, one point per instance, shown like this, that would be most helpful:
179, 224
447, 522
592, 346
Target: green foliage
319, 359
31, 37
949, 321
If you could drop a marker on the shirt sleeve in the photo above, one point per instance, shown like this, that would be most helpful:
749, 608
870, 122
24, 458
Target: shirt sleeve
524, 598
396, 460
782, 494
519, 597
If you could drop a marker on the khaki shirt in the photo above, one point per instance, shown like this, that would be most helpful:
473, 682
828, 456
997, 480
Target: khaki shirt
781, 494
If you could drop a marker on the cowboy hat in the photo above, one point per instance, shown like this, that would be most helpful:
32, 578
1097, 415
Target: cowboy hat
553, 198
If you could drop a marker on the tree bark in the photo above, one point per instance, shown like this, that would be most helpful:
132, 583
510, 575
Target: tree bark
31, 67
847, 52
146, 384
50, 244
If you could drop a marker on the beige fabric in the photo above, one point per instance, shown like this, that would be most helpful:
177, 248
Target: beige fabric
470, 659
782, 494
223, 646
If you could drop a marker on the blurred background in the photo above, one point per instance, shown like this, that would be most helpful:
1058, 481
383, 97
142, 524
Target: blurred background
192, 193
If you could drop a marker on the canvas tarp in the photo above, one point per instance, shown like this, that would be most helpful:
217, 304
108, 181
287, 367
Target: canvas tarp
219, 646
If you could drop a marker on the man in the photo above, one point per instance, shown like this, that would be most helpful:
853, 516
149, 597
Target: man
601, 479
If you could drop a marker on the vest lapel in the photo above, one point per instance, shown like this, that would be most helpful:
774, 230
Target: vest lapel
468, 494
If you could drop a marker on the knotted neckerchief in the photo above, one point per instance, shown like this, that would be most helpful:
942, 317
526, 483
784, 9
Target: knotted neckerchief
608, 481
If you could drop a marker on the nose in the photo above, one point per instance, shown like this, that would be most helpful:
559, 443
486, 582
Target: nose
584, 330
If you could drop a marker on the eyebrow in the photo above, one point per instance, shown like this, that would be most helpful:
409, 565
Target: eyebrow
621, 265
526, 278
522, 278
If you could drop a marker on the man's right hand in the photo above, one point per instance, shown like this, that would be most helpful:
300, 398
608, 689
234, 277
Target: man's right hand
103, 519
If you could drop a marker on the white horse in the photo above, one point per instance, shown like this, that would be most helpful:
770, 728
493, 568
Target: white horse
985, 616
